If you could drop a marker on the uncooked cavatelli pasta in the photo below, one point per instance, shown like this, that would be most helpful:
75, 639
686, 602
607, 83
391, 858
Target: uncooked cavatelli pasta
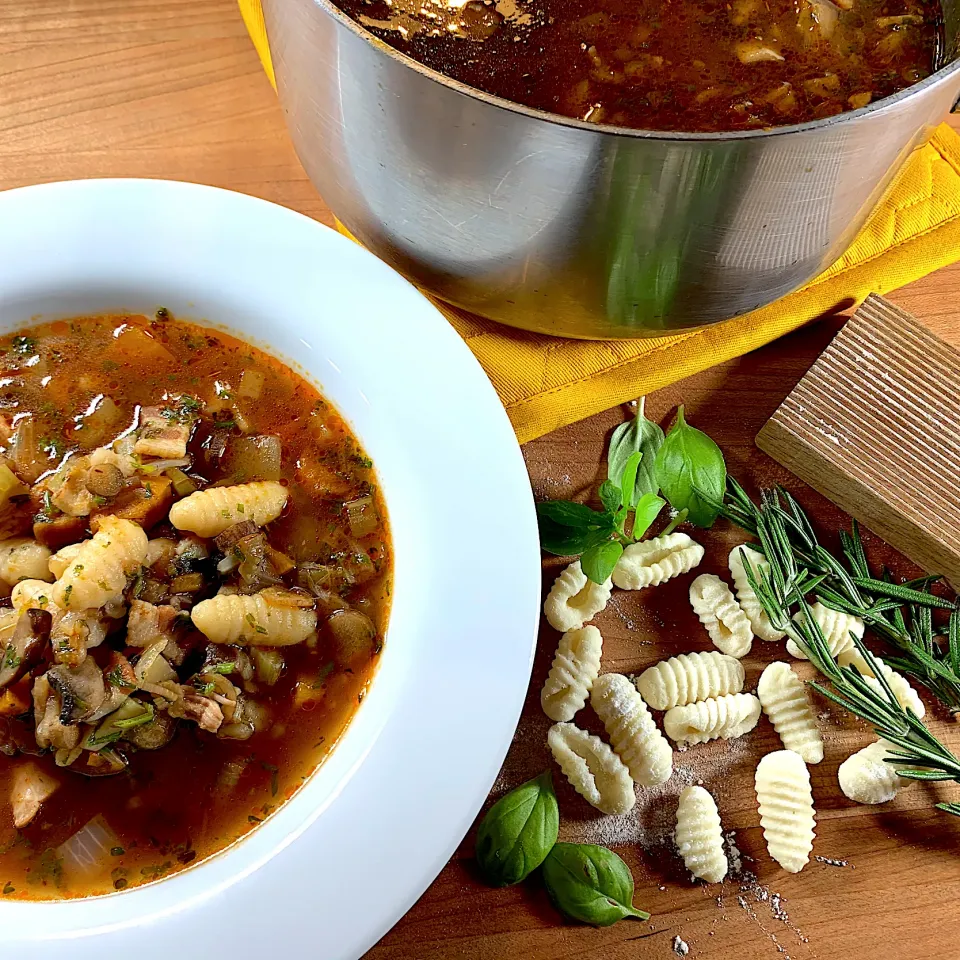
263, 620
786, 808
209, 512
99, 571
698, 835
906, 695
592, 768
747, 596
575, 667
784, 699
574, 599
835, 626
722, 718
714, 603
633, 734
689, 677
867, 777
651, 562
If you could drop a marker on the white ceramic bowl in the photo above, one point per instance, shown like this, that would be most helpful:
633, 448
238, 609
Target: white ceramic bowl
338, 864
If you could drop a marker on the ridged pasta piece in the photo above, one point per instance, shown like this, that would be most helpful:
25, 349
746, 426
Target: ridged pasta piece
836, 628
99, 571
698, 836
592, 768
32, 595
58, 563
784, 699
258, 621
634, 736
902, 689
254, 620
714, 603
689, 677
747, 596
23, 559
574, 599
575, 667
721, 718
209, 512
866, 777
652, 562
786, 808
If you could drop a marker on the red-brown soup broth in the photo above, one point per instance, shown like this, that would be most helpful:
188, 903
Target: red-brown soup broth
689, 65
175, 806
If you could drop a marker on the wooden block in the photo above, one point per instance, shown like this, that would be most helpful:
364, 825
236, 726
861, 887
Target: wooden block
875, 427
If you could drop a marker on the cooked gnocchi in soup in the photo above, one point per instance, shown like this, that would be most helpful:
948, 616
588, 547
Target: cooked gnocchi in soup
196, 569
696, 65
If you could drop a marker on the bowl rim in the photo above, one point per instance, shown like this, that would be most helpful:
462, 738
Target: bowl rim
483, 697
941, 76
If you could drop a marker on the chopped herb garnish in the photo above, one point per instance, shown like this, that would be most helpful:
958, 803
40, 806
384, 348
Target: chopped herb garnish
136, 721
23, 345
117, 851
274, 778
325, 672
110, 365
115, 677
163, 313
52, 446
10, 658
228, 667
8, 889
204, 689
252, 819
147, 492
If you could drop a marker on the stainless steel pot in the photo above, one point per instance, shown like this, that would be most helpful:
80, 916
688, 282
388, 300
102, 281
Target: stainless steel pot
571, 228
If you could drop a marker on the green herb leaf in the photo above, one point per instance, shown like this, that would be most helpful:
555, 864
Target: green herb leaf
642, 436
610, 496
518, 832
567, 529
598, 562
648, 509
590, 884
691, 472
628, 479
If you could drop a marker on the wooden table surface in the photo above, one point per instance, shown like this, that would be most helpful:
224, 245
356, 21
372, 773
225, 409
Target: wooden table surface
172, 88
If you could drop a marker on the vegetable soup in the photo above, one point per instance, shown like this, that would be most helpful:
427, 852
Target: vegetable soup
695, 65
197, 569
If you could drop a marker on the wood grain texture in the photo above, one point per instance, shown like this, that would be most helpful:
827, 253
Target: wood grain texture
875, 426
172, 88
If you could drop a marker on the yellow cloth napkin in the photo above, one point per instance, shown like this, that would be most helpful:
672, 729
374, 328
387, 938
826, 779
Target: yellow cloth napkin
548, 382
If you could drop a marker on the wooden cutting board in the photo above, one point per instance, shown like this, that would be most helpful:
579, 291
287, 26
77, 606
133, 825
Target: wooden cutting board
173, 89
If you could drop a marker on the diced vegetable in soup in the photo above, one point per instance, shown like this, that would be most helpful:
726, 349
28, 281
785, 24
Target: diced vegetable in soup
694, 65
196, 567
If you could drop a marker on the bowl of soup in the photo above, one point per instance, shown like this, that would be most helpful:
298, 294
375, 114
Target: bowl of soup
604, 169
247, 668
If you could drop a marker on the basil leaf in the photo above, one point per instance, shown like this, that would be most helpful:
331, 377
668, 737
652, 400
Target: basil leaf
628, 480
518, 832
648, 509
590, 884
567, 529
639, 435
610, 496
598, 562
691, 472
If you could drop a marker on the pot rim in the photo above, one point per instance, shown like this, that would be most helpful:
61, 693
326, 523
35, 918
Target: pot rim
941, 76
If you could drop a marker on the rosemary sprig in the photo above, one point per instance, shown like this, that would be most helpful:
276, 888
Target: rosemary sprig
783, 591
900, 614
919, 754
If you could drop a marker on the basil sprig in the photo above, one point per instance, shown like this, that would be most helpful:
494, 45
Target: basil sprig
518, 832
686, 466
691, 472
590, 883
636, 436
